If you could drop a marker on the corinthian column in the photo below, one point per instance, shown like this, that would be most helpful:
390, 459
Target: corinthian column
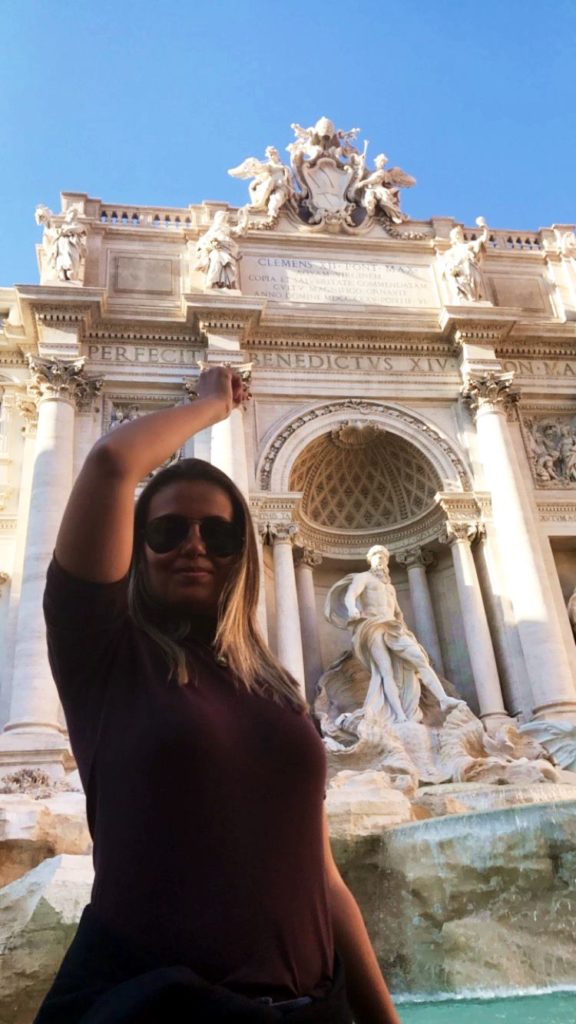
306, 561
553, 688
476, 630
288, 636
33, 734
416, 561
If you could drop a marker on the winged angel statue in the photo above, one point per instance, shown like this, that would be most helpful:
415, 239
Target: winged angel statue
328, 185
270, 188
379, 191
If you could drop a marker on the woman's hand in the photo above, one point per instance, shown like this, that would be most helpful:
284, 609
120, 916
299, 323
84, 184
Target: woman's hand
224, 386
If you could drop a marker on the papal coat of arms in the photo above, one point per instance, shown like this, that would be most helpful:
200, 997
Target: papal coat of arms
328, 184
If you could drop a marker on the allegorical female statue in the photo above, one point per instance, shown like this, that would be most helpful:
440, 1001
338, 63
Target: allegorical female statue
217, 253
462, 261
64, 244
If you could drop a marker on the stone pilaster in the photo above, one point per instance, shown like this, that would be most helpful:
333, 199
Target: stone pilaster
492, 401
417, 560
478, 640
33, 734
306, 561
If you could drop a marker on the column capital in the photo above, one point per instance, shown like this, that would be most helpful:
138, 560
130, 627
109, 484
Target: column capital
62, 379
459, 531
307, 556
281, 533
415, 557
490, 392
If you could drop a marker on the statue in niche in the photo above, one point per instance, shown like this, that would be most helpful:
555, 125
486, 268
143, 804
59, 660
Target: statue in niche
382, 708
270, 189
366, 603
217, 253
461, 263
379, 191
64, 244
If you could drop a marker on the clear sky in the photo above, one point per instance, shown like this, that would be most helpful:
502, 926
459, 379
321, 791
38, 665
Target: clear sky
150, 103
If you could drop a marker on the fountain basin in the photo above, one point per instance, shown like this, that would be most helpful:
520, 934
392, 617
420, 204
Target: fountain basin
472, 901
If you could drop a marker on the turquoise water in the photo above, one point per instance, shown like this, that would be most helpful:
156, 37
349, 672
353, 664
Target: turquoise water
551, 1008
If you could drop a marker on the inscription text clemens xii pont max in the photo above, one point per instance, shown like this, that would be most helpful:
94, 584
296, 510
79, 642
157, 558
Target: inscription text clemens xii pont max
355, 282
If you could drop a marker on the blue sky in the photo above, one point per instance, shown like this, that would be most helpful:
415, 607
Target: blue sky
151, 103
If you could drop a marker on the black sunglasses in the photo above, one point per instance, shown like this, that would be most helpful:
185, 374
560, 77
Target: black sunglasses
220, 537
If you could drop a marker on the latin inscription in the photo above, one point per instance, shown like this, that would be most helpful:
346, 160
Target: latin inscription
184, 356
541, 367
151, 354
354, 282
353, 361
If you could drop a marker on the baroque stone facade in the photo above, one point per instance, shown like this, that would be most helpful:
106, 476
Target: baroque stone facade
413, 386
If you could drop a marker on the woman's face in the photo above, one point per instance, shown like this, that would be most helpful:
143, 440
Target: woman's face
189, 578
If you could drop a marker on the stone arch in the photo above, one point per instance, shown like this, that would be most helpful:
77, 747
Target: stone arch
289, 439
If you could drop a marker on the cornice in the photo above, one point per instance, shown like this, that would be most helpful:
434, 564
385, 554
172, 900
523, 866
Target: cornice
11, 357
557, 510
354, 544
179, 334
336, 341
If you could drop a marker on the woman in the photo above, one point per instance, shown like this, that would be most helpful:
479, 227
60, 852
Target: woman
216, 897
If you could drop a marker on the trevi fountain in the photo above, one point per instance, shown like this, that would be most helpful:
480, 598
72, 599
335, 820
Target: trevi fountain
409, 457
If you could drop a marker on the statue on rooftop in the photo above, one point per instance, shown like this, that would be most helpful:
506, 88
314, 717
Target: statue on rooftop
327, 186
567, 244
63, 244
270, 188
379, 191
461, 263
217, 253
322, 139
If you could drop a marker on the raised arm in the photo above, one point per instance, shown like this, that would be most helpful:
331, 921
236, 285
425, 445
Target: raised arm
95, 537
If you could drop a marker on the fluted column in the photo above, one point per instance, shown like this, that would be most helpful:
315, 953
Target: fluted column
550, 675
477, 632
416, 561
57, 387
288, 636
306, 560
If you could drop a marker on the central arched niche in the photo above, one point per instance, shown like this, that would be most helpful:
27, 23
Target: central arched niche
359, 477
362, 484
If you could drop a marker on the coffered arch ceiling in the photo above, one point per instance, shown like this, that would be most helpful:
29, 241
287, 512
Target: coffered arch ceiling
359, 477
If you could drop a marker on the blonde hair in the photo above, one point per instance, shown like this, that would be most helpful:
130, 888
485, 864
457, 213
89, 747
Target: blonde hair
238, 641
